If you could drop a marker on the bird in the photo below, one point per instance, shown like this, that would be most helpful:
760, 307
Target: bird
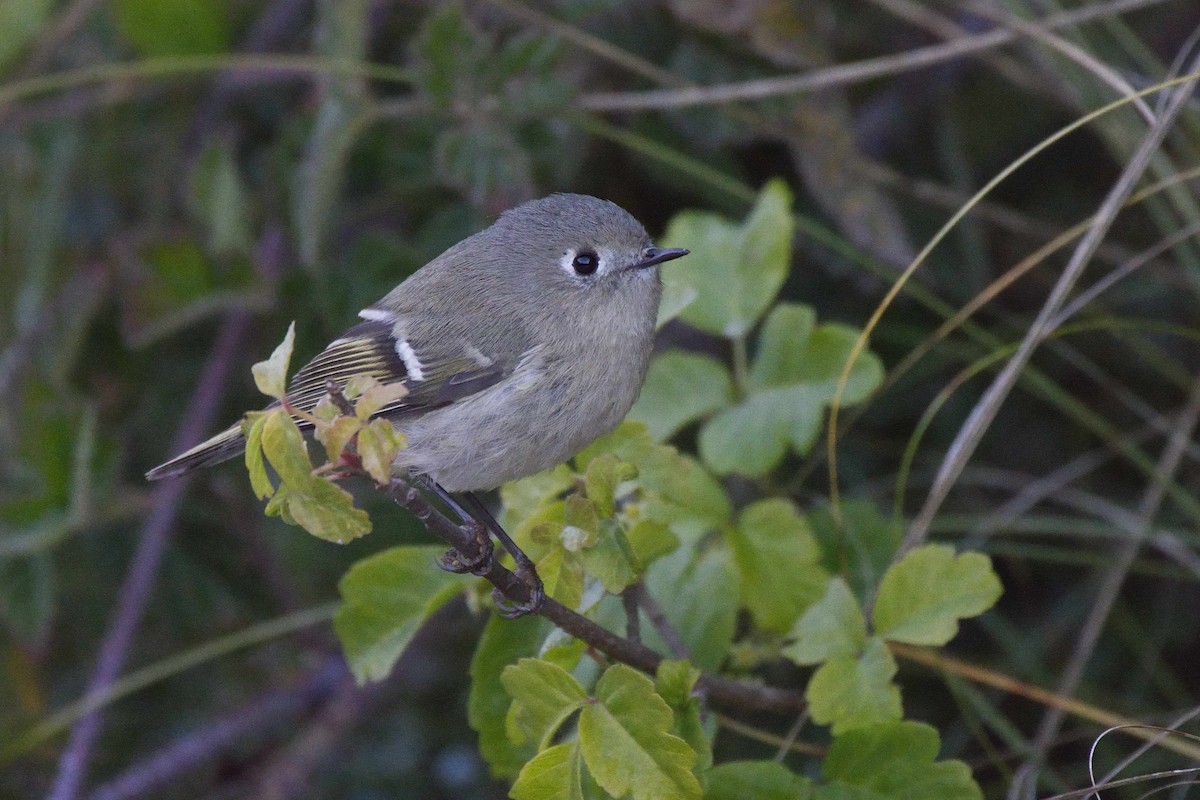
518, 346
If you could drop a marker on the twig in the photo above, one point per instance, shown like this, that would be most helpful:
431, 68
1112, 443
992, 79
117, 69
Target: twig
842, 74
981, 416
730, 693
198, 419
204, 744
1097, 617
286, 775
658, 618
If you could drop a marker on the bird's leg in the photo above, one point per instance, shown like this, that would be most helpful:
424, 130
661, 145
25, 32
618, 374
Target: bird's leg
454, 560
525, 567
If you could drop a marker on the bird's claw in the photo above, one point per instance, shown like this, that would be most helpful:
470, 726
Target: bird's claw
509, 609
477, 563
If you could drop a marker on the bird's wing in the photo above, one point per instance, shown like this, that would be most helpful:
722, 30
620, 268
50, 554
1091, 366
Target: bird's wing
436, 366
436, 371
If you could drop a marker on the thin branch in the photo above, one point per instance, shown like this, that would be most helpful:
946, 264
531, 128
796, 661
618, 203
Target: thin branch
1169, 462
197, 747
842, 74
198, 419
980, 419
722, 691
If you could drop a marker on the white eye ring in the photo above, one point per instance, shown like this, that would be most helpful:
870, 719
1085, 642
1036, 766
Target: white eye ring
582, 263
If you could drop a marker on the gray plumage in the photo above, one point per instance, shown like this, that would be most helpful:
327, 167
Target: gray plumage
514, 356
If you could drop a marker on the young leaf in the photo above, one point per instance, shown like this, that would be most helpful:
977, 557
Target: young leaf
335, 435
833, 627
378, 444
544, 695
561, 571
601, 479
610, 559
749, 262
271, 375
760, 780
327, 511
650, 540
779, 563
377, 396
553, 774
792, 380
503, 642
524, 498
385, 600
674, 681
681, 387
626, 743
698, 592
252, 428
849, 692
894, 761
284, 447
922, 597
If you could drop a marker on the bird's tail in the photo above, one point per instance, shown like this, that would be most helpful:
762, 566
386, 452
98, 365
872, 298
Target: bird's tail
227, 444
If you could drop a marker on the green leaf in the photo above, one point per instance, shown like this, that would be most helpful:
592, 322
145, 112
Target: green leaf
678, 491
862, 547
21, 21
793, 378
27, 597
327, 511
503, 642
650, 540
601, 479
524, 498
736, 269
779, 563
447, 51
544, 696
284, 447
173, 27
626, 743
833, 627
219, 200
849, 692
895, 761
698, 592
756, 780
378, 444
674, 681
376, 395
610, 559
386, 598
553, 774
676, 297
561, 571
271, 375
336, 435
252, 427
923, 596
681, 387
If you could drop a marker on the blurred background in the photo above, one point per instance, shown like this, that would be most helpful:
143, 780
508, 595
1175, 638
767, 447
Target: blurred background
179, 179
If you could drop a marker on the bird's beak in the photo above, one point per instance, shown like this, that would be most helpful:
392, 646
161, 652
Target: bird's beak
657, 255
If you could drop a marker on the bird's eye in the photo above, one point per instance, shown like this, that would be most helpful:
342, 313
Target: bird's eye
585, 262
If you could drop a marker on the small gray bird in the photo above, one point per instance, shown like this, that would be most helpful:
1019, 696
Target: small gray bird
518, 345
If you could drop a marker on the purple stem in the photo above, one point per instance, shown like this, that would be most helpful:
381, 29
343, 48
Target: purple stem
164, 505
202, 745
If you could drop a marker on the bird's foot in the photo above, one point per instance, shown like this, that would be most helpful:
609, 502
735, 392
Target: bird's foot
477, 561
